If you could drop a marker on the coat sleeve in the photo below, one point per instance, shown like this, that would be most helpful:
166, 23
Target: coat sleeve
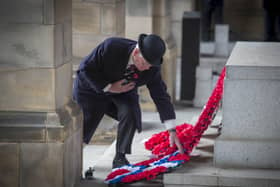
161, 98
92, 70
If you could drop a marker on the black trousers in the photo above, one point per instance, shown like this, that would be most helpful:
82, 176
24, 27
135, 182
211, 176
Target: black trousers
123, 107
272, 25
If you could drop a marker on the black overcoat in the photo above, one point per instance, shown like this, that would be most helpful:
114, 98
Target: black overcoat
107, 63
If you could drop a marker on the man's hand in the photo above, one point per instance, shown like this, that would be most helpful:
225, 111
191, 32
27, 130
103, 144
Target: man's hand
173, 138
119, 87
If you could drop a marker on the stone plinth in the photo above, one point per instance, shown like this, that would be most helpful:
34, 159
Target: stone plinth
41, 148
251, 123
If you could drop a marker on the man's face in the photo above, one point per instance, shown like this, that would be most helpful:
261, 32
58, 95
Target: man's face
139, 61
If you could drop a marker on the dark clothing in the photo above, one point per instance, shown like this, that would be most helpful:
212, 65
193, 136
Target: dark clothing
212, 12
271, 19
107, 64
271, 5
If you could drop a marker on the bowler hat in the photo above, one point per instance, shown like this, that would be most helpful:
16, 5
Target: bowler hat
152, 48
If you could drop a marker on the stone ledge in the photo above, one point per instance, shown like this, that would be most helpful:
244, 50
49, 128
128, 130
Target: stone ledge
203, 173
40, 126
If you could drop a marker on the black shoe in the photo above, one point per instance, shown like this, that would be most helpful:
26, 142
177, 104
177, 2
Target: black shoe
89, 173
120, 161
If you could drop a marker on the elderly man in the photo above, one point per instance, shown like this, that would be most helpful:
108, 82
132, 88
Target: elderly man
107, 82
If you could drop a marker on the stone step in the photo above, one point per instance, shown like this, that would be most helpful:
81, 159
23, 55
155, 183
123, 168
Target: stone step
158, 182
207, 148
91, 183
201, 173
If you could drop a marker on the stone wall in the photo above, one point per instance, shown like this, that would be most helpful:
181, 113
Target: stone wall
40, 127
95, 20
245, 18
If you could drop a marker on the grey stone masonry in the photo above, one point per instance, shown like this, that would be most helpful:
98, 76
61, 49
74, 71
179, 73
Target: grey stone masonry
40, 125
222, 40
251, 123
94, 21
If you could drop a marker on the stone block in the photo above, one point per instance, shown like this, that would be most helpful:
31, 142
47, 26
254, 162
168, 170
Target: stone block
9, 119
248, 182
41, 164
161, 26
204, 174
63, 84
247, 153
176, 29
68, 161
252, 104
161, 8
168, 70
57, 11
27, 45
55, 134
251, 108
120, 18
73, 158
203, 89
83, 44
78, 157
62, 43
22, 134
135, 8
203, 73
40, 89
136, 25
9, 164
27, 90
86, 18
63, 10
178, 7
182, 179
207, 48
35, 11
221, 40
109, 19
24, 11
59, 48
32, 45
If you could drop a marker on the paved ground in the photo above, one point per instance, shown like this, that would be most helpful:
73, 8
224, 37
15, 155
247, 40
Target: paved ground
101, 156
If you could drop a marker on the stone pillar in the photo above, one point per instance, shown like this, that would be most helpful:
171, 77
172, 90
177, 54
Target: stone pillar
221, 40
178, 7
162, 27
94, 21
251, 123
40, 129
